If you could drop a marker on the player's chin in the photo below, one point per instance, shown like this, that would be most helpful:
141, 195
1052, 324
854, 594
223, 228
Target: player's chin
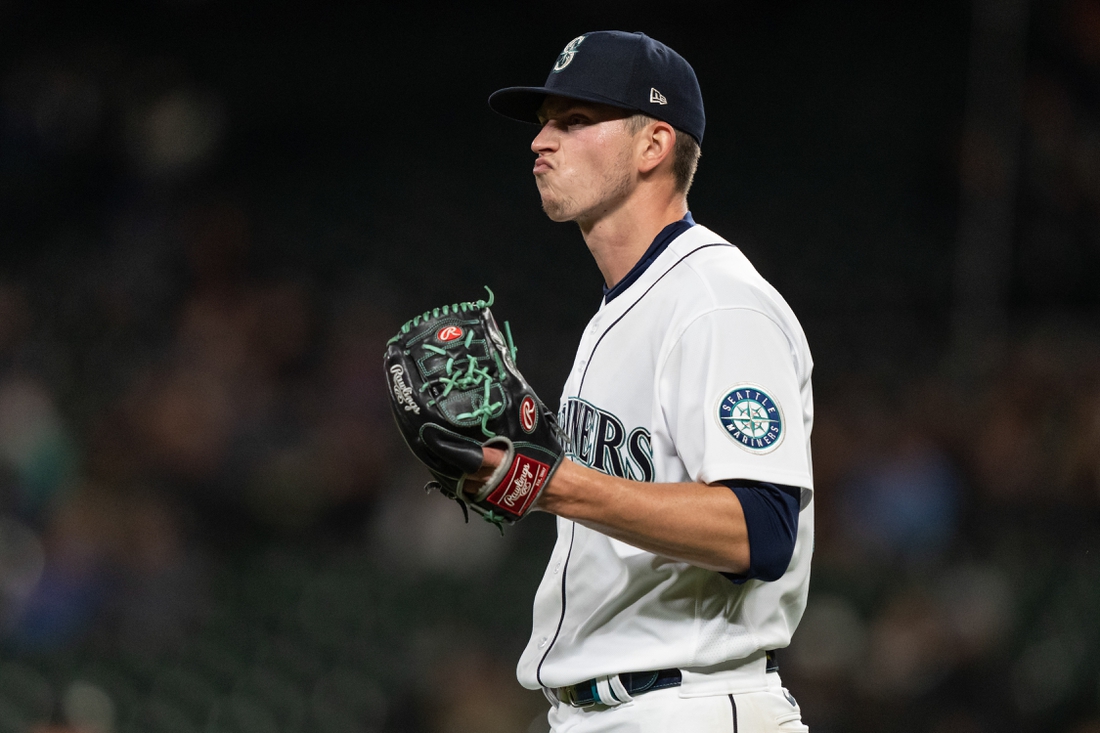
557, 210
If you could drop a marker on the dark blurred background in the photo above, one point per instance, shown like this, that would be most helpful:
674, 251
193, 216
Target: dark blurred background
213, 215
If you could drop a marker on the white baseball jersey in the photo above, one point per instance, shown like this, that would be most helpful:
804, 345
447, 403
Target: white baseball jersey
698, 371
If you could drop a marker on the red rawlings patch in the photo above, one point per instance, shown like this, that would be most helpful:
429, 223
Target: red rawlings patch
449, 333
528, 415
519, 488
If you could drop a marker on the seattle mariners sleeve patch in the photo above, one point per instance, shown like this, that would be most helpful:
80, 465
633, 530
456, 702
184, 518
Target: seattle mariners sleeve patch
751, 418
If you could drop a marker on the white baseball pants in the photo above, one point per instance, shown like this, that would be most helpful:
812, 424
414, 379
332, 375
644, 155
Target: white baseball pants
664, 711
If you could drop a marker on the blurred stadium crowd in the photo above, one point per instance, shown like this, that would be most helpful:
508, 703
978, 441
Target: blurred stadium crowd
208, 522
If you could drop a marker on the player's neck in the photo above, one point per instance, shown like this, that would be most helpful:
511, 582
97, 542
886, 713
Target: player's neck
618, 239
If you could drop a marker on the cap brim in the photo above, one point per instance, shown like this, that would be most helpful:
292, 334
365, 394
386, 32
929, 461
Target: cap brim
519, 103
523, 103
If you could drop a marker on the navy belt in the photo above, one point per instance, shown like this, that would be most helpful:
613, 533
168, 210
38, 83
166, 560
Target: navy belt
584, 693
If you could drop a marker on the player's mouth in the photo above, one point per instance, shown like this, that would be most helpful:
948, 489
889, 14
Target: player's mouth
541, 165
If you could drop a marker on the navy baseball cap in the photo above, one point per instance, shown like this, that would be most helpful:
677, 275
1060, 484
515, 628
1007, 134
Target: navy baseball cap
627, 70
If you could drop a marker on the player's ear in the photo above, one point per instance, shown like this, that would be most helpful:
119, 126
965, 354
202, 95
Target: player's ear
655, 144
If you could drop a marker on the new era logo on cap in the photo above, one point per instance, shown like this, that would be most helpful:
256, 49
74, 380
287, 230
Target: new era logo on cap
655, 97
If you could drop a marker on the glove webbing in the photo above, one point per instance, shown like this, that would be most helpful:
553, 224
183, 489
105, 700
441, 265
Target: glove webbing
473, 376
465, 380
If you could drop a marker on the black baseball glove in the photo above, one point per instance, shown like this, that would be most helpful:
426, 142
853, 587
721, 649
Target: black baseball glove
454, 387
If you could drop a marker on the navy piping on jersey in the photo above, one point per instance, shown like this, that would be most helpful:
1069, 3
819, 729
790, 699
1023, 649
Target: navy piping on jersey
770, 502
580, 388
771, 517
660, 244
561, 619
592, 354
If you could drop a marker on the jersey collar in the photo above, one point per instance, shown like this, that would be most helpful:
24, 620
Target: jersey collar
660, 243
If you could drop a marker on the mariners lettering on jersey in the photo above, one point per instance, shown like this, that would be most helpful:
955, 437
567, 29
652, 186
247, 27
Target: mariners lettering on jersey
752, 418
599, 440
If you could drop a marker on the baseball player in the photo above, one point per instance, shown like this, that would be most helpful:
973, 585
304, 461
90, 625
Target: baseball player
685, 515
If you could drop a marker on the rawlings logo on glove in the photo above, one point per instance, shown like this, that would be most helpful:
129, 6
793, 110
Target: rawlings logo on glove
454, 388
402, 393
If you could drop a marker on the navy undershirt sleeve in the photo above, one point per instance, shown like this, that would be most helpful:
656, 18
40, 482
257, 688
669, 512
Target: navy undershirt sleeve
771, 515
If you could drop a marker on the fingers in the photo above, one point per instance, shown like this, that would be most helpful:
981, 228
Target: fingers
491, 457
490, 461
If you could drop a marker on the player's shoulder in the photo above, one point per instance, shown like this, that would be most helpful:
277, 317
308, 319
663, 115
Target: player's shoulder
716, 273
708, 275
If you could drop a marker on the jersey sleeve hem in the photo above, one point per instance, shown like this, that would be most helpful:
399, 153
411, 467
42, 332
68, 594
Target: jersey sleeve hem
721, 473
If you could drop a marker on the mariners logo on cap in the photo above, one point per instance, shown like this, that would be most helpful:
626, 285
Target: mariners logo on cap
568, 53
751, 418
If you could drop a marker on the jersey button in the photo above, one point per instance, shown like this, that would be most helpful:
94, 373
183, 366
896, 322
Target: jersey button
557, 567
542, 642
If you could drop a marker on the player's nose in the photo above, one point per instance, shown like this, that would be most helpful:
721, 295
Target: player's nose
546, 141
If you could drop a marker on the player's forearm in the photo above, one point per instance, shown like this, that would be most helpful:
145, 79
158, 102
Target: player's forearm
692, 522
